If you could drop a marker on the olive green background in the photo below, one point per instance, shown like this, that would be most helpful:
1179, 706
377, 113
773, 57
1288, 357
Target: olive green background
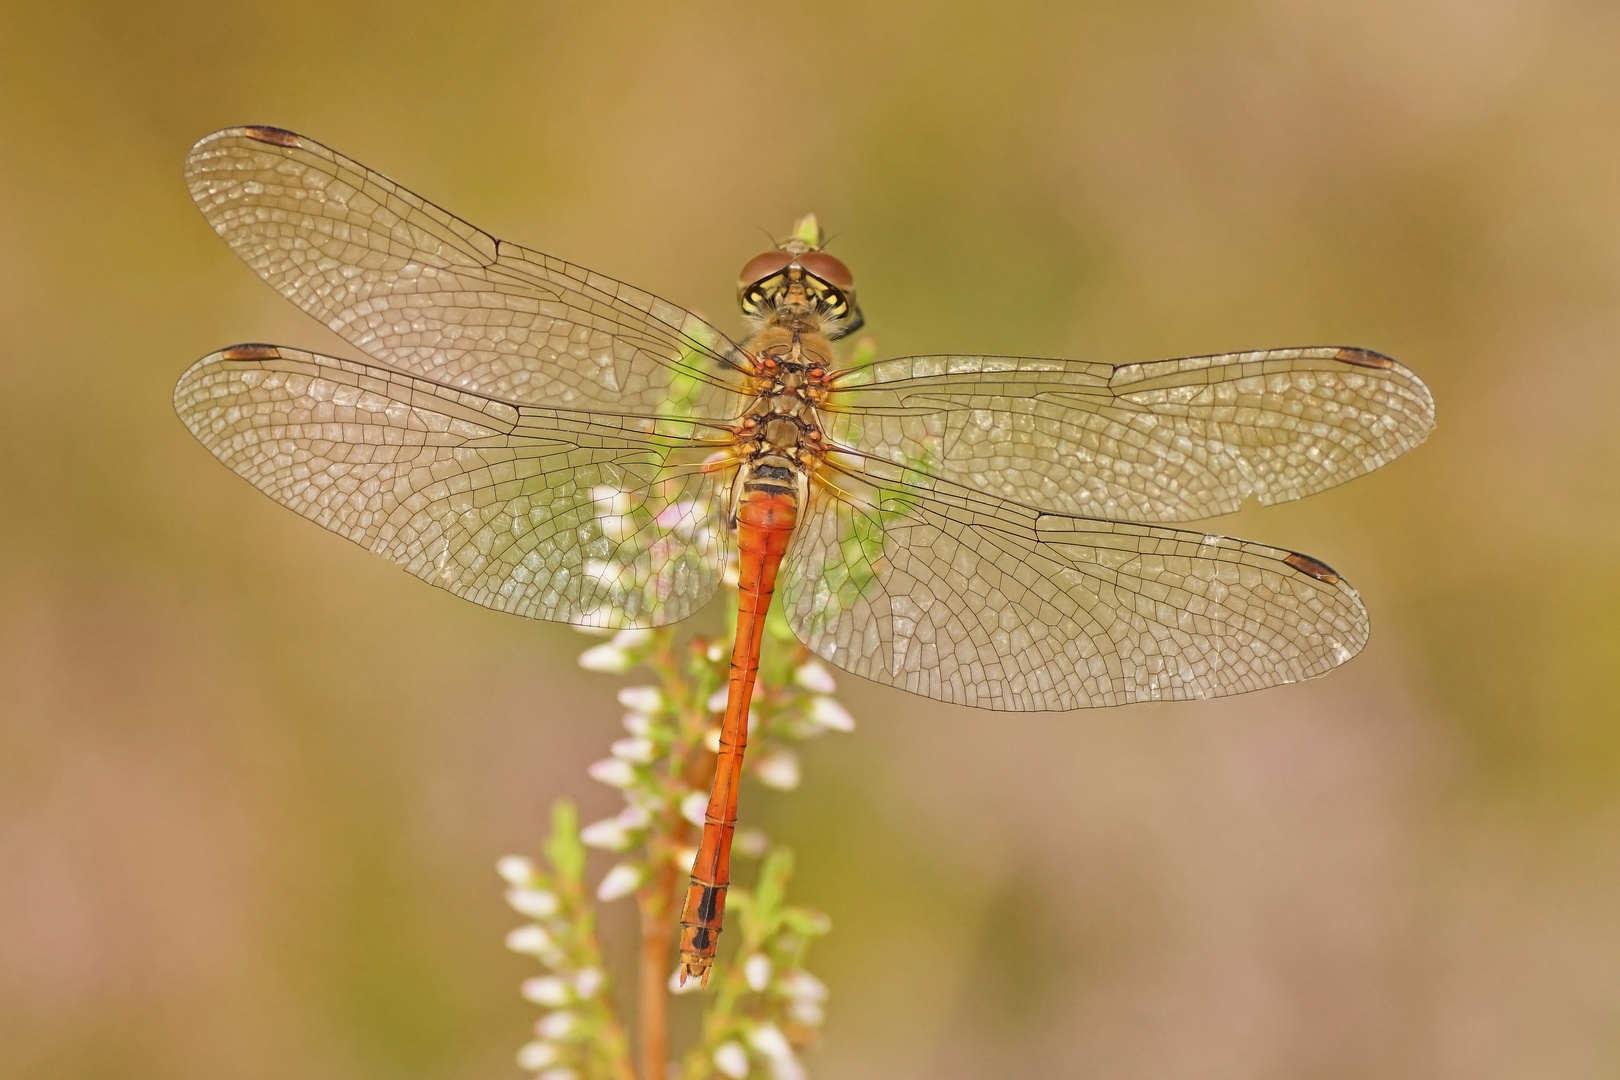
253, 780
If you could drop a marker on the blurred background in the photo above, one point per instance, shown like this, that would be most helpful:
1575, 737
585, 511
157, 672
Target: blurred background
253, 780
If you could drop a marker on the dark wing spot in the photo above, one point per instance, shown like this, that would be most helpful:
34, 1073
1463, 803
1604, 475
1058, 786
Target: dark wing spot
273, 135
250, 352
1321, 571
1365, 358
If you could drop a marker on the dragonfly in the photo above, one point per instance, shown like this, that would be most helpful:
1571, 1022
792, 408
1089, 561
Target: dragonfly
1002, 532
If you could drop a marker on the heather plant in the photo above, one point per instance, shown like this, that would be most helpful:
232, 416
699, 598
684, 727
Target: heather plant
762, 1006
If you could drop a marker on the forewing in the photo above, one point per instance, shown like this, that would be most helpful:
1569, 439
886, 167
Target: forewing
421, 290
1172, 440
938, 590
583, 518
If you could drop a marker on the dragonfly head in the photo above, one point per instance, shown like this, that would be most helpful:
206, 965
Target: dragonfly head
800, 279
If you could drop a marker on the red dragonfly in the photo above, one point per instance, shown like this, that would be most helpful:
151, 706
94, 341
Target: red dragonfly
983, 530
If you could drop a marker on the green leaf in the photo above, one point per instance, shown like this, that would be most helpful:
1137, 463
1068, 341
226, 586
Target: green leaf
564, 850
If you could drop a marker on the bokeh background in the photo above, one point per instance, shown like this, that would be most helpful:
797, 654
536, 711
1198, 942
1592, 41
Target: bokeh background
253, 780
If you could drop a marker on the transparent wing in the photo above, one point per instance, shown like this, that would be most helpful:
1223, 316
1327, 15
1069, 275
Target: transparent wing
1172, 440
585, 518
931, 587
423, 291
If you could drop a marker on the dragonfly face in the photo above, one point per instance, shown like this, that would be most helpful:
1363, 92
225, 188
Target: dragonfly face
799, 278
993, 531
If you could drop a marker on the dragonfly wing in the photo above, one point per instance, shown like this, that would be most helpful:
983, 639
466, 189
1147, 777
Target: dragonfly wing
938, 590
421, 290
1171, 440
585, 518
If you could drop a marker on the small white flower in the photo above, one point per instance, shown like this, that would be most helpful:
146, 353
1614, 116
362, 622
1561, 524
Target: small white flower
588, 982
632, 639
717, 652
683, 858
751, 842
532, 940
768, 1039
693, 807
678, 987
593, 631
717, 700
811, 675
555, 1025
778, 768
609, 834
606, 658
711, 739
515, 869
559, 1073
803, 986
826, 712
547, 990
731, 1059
620, 881
535, 903
537, 1055
643, 699
614, 772
757, 972
637, 750
808, 1013
635, 816
638, 724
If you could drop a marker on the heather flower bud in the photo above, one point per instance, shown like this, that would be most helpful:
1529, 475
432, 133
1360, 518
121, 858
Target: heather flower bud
778, 768
769, 1041
557, 1025
757, 972
535, 903
643, 699
614, 772
515, 869
632, 639
812, 675
606, 658
826, 712
537, 1055
750, 842
808, 1013
588, 982
803, 986
559, 1073
620, 881
547, 990
639, 751
693, 807
731, 1060
606, 835
531, 940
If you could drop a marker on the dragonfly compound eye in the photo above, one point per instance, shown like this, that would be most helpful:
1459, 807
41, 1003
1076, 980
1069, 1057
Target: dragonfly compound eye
828, 269
761, 281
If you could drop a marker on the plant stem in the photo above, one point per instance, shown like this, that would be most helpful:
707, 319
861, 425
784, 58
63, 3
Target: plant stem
657, 930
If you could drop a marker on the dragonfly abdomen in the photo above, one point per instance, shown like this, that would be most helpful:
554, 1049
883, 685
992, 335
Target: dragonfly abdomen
766, 515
